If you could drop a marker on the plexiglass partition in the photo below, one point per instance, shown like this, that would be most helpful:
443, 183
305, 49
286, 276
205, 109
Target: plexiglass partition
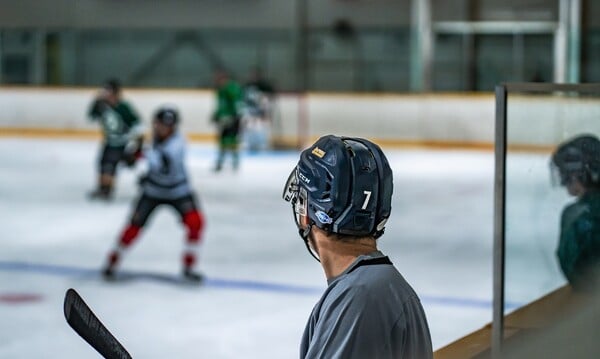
531, 121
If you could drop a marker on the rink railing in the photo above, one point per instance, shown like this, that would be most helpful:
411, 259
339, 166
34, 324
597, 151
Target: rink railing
445, 120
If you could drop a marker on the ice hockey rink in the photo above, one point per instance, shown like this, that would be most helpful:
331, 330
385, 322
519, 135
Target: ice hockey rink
260, 282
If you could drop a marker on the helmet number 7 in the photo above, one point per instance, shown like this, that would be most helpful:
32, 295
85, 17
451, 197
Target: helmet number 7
368, 196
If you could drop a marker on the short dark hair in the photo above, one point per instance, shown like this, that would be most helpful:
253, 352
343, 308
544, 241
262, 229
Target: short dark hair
113, 85
579, 157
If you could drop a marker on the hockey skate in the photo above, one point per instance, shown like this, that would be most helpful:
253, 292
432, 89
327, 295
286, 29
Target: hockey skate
100, 195
108, 273
192, 276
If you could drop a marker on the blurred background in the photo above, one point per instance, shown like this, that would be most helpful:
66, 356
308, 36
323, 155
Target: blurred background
333, 45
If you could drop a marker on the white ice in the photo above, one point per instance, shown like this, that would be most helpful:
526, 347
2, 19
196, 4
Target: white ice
261, 283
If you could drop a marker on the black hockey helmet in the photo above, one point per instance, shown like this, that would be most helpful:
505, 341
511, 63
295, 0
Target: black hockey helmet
577, 158
167, 116
343, 185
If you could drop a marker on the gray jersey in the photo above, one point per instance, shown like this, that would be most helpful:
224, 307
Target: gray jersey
368, 311
167, 177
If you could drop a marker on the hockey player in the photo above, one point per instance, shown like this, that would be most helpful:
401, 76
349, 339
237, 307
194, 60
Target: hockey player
122, 135
166, 183
227, 117
576, 165
341, 194
259, 96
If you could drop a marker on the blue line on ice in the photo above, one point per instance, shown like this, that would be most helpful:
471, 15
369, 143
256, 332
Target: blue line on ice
63, 270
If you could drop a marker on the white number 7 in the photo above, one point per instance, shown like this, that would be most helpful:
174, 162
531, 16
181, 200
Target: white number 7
368, 196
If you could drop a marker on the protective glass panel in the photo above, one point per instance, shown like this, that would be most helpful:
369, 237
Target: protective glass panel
536, 123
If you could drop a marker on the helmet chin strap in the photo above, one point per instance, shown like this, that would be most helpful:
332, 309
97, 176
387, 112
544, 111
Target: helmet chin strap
304, 235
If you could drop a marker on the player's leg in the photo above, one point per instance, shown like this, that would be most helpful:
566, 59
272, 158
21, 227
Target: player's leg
193, 220
232, 142
248, 132
107, 168
143, 209
104, 181
222, 147
236, 143
263, 134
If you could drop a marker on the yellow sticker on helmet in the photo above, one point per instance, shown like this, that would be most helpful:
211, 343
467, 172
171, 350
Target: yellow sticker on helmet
318, 152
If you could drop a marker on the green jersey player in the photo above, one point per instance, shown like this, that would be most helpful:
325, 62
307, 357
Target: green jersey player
227, 117
121, 132
576, 164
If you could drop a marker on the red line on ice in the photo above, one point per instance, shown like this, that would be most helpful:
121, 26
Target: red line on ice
18, 298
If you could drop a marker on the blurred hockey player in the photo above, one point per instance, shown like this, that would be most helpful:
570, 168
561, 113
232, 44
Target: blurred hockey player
576, 166
227, 117
259, 96
166, 183
122, 133
341, 197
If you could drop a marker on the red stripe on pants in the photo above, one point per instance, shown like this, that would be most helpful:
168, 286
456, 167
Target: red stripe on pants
129, 235
194, 221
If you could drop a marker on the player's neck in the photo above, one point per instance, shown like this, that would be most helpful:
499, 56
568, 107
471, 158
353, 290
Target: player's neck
337, 255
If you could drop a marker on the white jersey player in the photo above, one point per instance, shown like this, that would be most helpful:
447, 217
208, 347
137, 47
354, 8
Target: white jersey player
166, 183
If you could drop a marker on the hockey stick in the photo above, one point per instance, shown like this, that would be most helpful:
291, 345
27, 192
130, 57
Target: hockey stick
81, 318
